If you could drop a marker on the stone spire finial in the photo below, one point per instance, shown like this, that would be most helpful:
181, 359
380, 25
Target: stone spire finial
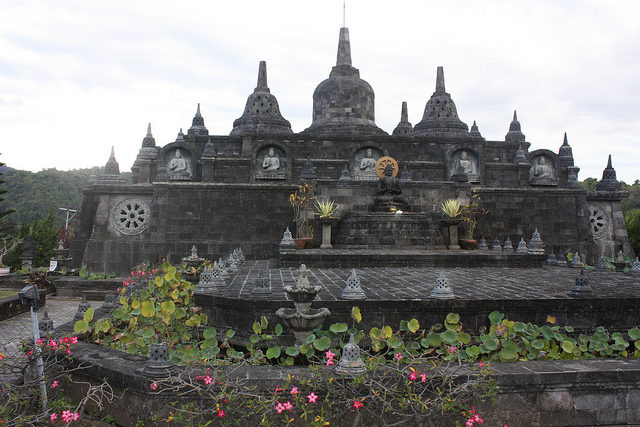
442, 290
520, 158
515, 133
197, 124
404, 127
609, 181
149, 129
344, 48
565, 154
149, 141
111, 168
581, 289
180, 136
440, 80
261, 112
262, 78
440, 116
475, 132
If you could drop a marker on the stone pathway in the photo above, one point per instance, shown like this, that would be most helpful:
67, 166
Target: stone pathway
60, 309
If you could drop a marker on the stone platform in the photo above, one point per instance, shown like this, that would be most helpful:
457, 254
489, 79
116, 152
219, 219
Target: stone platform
398, 293
360, 257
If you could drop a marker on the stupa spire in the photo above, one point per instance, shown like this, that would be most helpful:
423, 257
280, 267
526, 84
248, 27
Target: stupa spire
609, 182
262, 78
565, 154
344, 48
404, 127
404, 116
149, 130
515, 133
440, 80
197, 124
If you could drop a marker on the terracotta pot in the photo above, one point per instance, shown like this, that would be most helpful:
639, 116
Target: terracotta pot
308, 242
468, 244
299, 243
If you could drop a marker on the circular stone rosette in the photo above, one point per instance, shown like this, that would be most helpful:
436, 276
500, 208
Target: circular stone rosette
599, 221
131, 216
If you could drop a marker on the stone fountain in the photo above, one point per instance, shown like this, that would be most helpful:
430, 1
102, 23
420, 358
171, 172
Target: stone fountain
303, 319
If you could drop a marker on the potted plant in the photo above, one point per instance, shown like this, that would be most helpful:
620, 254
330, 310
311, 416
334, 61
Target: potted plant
325, 210
300, 202
452, 209
470, 214
7, 245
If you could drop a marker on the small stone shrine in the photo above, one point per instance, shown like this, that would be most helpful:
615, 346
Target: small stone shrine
220, 192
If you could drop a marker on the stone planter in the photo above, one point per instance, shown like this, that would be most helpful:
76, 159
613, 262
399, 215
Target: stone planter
452, 224
468, 244
326, 232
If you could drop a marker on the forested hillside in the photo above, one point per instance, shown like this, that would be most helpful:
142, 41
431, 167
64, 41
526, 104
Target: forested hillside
34, 194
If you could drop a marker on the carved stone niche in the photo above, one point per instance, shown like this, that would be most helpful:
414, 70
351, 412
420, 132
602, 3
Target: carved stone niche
544, 168
465, 160
179, 164
363, 163
270, 163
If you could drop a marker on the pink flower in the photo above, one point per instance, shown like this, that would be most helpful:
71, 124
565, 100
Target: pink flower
220, 413
329, 362
53, 344
329, 354
423, 378
153, 386
480, 365
294, 391
413, 376
312, 397
287, 405
54, 384
39, 341
452, 349
279, 408
53, 417
398, 356
357, 404
74, 340
29, 353
76, 416
2, 356
67, 416
207, 380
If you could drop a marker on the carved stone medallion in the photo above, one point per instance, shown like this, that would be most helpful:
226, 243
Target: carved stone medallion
383, 162
599, 221
131, 216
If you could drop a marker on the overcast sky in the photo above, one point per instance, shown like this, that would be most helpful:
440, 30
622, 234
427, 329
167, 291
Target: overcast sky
77, 77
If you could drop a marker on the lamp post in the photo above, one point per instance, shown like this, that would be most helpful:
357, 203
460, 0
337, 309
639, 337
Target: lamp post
29, 296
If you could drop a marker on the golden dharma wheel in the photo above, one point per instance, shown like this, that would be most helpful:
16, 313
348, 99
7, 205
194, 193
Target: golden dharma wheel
382, 163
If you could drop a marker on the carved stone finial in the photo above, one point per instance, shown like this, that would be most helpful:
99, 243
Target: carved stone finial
536, 245
440, 80
474, 132
82, 309
344, 48
404, 175
515, 133
197, 124
565, 153
345, 175
635, 267
112, 167
496, 246
522, 247
45, 325
350, 362
353, 290
520, 158
576, 262
442, 290
287, 242
261, 287
508, 246
308, 172
303, 280
482, 244
404, 128
159, 364
609, 181
601, 265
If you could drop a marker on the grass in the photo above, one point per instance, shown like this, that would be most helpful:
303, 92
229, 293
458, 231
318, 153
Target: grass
4, 293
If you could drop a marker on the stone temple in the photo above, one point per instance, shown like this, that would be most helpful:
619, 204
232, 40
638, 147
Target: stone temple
229, 191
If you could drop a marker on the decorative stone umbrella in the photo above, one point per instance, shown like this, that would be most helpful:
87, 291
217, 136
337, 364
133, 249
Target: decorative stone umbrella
581, 289
442, 289
350, 362
353, 290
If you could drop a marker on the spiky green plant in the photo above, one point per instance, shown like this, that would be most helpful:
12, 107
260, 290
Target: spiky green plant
326, 208
451, 208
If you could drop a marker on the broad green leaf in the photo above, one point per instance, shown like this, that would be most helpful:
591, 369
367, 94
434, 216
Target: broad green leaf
464, 338
273, 352
491, 344
634, 334
386, 332
230, 333
158, 281
311, 338
413, 325
567, 346
375, 333
210, 333
148, 332
452, 318
472, 351
264, 322
254, 339
519, 327
88, 315
292, 351
337, 328
81, 326
278, 329
257, 328
168, 307
449, 337
537, 344
148, 309
355, 313
569, 329
135, 303
496, 317
322, 343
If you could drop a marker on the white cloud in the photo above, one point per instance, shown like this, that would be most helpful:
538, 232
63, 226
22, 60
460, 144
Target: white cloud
77, 77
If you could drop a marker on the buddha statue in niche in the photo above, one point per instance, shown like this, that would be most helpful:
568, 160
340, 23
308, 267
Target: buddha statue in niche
389, 192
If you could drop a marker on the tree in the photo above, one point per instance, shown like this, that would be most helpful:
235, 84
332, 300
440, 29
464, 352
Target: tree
632, 219
4, 226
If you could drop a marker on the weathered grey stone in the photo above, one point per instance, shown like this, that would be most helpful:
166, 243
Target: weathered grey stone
576, 262
353, 290
635, 267
581, 289
159, 364
440, 116
404, 175
345, 175
404, 128
515, 134
261, 113
561, 261
111, 301
111, 174
442, 290
197, 124
508, 246
522, 247
602, 264
482, 244
520, 158
496, 246
82, 309
261, 287
45, 325
565, 153
551, 259
350, 362
308, 172
474, 132
287, 242
608, 181
536, 245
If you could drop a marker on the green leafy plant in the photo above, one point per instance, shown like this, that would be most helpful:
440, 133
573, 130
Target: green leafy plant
451, 208
300, 202
470, 213
325, 208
